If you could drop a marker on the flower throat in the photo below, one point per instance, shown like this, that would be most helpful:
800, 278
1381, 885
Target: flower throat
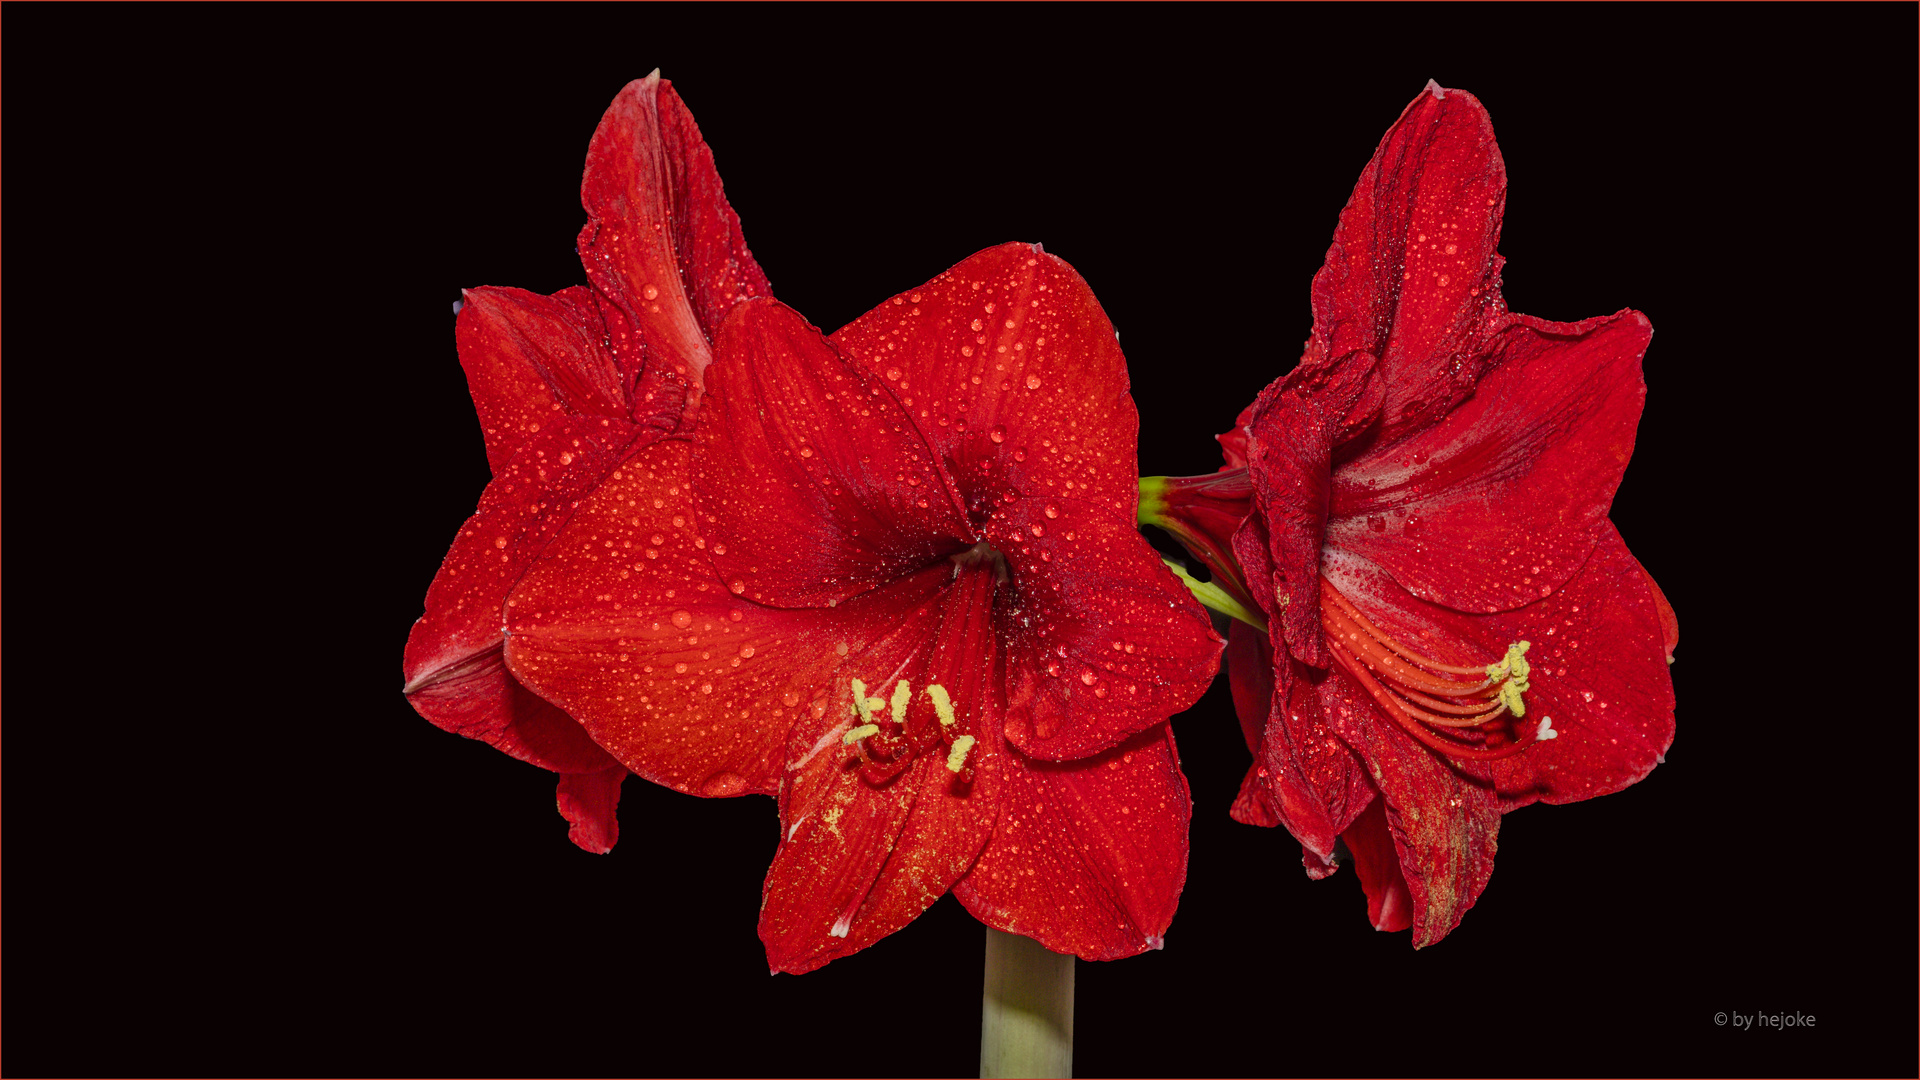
1436, 703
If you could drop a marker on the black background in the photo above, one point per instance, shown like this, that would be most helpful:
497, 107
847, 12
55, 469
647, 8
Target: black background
243, 443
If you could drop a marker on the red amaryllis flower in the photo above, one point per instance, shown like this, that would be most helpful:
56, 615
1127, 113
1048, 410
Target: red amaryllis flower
565, 386
893, 579
1458, 630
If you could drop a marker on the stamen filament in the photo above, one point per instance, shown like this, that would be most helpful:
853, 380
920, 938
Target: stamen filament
1328, 592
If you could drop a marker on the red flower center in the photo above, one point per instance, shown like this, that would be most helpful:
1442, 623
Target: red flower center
1439, 704
895, 729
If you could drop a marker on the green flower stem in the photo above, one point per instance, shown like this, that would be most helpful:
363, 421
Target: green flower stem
1026, 1010
1213, 596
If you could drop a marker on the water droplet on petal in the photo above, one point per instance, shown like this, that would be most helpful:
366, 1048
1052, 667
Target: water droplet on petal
1053, 511
681, 619
746, 652
893, 374
650, 293
789, 699
738, 586
1033, 382
998, 435
719, 549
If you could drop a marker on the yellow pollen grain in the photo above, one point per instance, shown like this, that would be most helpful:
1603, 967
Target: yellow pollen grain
942, 704
957, 756
902, 693
861, 703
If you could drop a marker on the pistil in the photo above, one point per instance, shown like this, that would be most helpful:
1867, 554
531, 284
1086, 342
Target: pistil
1435, 702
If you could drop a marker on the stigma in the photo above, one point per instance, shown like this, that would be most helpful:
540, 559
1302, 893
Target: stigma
1443, 705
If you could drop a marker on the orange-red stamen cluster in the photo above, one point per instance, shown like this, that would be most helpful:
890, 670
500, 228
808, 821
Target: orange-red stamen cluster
1436, 703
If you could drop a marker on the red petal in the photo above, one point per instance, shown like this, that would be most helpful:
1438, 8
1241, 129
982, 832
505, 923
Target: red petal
480, 699
687, 684
587, 801
658, 220
1101, 640
1233, 444
1089, 856
1250, 674
1602, 676
1412, 276
1599, 669
1010, 366
1297, 421
1669, 622
1499, 502
451, 665
531, 360
1389, 904
1313, 781
814, 484
1444, 818
859, 860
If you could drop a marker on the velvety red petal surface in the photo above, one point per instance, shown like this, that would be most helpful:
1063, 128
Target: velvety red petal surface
588, 802
626, 626
1102, 641
531, 360
1089, 856
1412, 275
660, 240
1500, 501
860, 859
1012, 369
452, 665
810, 478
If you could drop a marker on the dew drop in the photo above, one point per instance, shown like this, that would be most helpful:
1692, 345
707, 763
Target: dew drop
746, 652
659, 539
840, 649
1033, 382
1020, 455
706, 688
966, 350
998, 435
1038, 530
681, 619
789, 699
975, 325
893, 374
719, 549
736, 616
650, 293
1089, 678
806, 451
1053, 511
680, 668
738, 587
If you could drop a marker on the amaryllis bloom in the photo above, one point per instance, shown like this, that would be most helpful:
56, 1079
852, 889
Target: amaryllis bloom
892, 577
565, 386
1456, 629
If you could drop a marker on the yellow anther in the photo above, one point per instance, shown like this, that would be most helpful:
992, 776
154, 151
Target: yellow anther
1515, 663
875, 704
902, 693
942, 704
859, 733
1510, 697
957, 755
860, 704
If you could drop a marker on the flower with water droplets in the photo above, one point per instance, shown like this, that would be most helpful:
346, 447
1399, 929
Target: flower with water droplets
900, 617
565, 386
1417, 516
